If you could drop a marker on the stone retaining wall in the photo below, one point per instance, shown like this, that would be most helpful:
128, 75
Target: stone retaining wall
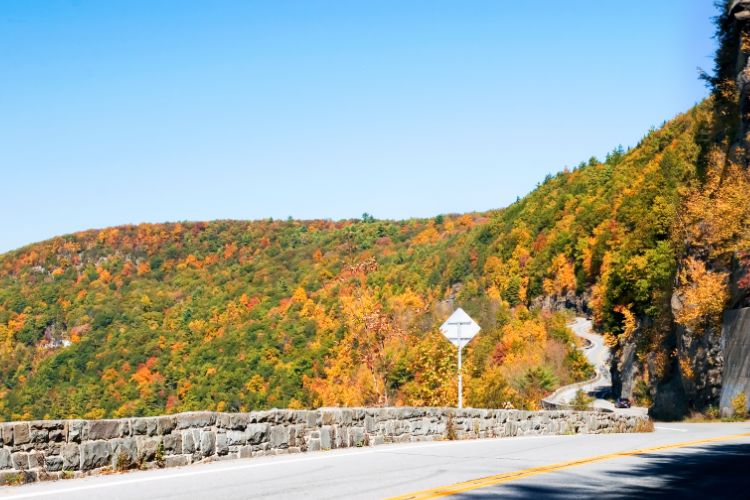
55, 449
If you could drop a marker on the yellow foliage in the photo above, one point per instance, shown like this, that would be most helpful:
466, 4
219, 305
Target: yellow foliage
703, 294
299, 296
95, 414
630, 323
466, 220
429, 235
356, 370
563, 278
717, 214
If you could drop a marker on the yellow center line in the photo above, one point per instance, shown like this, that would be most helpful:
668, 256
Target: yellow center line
506, 477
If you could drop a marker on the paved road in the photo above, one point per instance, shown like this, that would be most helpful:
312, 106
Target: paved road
524, 467
597, 353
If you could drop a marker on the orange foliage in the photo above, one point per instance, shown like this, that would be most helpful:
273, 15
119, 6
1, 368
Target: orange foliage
702, 293
563, 278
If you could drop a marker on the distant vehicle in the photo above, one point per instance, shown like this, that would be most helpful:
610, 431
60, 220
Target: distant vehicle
622, 403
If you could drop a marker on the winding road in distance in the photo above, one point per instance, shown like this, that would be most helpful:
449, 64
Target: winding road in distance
597, 353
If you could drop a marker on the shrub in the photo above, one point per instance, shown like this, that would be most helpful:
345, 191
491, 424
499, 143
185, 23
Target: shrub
646, 425
712, 412
739, 405
582, 401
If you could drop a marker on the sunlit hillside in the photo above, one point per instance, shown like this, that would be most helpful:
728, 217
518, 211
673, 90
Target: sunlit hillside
235, 315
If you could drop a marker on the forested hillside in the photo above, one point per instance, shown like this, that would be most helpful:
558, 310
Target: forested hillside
234, 315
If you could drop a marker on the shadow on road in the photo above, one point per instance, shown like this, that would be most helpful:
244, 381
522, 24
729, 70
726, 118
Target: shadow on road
720, 471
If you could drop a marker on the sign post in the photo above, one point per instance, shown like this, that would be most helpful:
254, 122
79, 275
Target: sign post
459, 329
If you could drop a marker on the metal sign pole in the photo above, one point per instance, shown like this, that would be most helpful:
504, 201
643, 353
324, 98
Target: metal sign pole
460, 379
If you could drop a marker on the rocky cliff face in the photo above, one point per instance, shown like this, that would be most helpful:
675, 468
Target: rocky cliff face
737, 48
711, 362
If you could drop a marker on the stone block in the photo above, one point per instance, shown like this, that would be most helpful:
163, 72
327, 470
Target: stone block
222, 446
346, 416
357, 436
279, 437
222, 420
246, 451
147, 447
173, 444
326, 441
6, 434
177, 460
235, 421
312, 418
95, 454
257, 433
340, 437
21, 433
293, 432
329, 417
48, 424
71, 455
53, 464
5, 461
188, 444
236, 438
106, 429
261, 416
417, 427
57, 435
313, 444
370, 425
125, 452
36, 459
165, 425
20, 460
76, 430
195, 419
38, 435
46, 475
208, 443
143, 426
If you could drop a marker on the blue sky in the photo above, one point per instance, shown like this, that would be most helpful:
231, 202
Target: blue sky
125, 112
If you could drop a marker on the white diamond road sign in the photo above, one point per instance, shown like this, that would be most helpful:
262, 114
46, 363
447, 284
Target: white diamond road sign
459, 329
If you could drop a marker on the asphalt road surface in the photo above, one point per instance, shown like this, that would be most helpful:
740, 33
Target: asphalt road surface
676, 461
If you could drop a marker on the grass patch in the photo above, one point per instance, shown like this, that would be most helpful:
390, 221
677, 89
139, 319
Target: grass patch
646, 425
14, 479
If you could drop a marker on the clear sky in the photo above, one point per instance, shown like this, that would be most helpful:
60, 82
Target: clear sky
116, 112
